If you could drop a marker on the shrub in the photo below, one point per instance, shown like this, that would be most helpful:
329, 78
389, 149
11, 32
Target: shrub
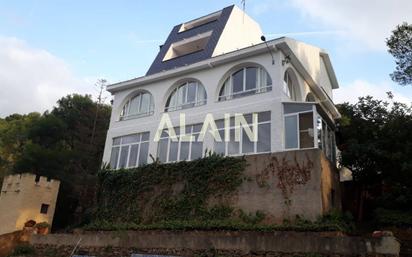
42, 225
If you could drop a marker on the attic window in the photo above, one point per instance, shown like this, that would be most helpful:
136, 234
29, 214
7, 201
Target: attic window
200, 21
188, 46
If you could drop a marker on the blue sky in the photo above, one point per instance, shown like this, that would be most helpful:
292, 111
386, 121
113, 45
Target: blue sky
51, 48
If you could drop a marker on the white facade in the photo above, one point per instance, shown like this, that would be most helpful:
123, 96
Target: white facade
310, 70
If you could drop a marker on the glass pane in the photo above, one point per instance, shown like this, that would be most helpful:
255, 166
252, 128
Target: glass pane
125, 109
201, 95
184, 151
174, 147
134, 149
145, 103
220, 123
114, 157
191, 92
162, 149
263, 116
219, 147
233, 147
144, 153
224, 91
197, 150
124, 152
306, 130
264, 141
305, 121
237, 80
251, 78
172, 101
134, 105
181, 95
130, 139
248, 118
247, 145
291, 132
116, 141
145, 136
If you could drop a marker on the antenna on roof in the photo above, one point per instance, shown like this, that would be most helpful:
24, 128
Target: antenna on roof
263, 38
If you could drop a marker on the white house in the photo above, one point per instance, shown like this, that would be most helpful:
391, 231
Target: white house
218, 64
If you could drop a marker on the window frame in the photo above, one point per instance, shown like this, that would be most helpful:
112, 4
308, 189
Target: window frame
314, 124
186, 105
258, 89
120, 145
324, 140
164, 136
255, 144
125, 115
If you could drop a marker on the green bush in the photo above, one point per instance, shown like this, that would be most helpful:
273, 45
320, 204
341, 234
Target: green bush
42, 225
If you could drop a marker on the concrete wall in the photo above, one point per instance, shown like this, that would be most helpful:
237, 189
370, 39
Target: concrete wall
310, 177
226, 243
21, 199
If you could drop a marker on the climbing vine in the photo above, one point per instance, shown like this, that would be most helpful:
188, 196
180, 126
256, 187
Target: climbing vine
168, 192
289, 174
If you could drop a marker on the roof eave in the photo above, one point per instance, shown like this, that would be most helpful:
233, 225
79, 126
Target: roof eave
209, 63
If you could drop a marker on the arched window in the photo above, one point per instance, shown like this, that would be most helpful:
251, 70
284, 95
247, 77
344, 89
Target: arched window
138, 106
187, 95
290, 86
246, 81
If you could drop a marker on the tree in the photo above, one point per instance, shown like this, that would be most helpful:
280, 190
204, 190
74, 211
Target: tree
375, 142
400, 46
57, 144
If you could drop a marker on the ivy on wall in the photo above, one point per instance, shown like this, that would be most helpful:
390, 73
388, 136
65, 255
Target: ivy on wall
290, 173
169, 192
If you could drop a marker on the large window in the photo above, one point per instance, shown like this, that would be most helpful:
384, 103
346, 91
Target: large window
138, 106
130, 151
244, 145
299, 131
187, 95
246, 81
180, 150
290, 85
305, 127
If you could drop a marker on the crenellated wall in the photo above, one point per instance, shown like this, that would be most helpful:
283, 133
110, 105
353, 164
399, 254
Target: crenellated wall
21, 200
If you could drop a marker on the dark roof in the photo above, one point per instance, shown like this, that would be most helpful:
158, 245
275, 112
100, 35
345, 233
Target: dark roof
215, 26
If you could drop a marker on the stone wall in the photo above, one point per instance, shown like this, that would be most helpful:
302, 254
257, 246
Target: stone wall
21, 198
225, 243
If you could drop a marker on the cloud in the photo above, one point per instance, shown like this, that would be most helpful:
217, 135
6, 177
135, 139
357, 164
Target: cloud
350, 92
368, 22
33, 79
